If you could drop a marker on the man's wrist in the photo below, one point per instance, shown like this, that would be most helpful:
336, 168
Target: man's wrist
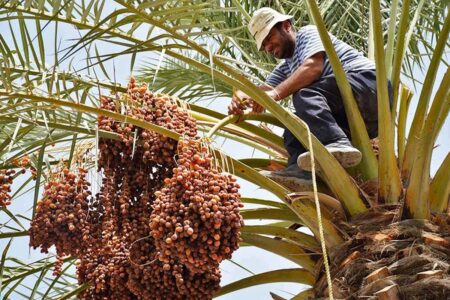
274, 95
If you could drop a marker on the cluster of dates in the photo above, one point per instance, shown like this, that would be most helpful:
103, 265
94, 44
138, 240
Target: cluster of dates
164, 217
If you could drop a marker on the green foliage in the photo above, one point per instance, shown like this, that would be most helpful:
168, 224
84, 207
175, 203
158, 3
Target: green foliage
199, 51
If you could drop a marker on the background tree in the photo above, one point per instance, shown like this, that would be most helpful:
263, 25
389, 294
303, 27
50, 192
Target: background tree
204, 52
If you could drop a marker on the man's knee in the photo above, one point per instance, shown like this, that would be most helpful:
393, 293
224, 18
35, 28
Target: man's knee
309, 101
298, 96
390, 94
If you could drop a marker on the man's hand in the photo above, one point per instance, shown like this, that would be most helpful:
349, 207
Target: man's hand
256, 108
239, 103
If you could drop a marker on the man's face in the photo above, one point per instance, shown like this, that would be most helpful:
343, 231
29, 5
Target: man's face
279, 42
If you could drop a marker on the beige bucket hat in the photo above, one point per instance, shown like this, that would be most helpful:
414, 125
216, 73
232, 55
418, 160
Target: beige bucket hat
262, 21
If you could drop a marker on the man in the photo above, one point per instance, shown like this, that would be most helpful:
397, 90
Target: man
306, 74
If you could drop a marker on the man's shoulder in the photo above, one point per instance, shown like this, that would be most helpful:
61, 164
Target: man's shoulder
305, 33
306, 29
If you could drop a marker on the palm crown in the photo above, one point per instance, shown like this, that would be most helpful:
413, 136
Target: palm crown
204, 52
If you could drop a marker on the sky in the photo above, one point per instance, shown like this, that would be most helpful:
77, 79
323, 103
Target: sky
254, 259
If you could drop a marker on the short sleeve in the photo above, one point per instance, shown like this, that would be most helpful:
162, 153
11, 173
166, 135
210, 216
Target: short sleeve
310, 43
278, 75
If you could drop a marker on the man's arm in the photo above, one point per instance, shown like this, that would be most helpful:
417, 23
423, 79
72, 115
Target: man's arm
307, 73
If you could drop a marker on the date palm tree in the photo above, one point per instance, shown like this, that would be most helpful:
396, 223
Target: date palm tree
381, 229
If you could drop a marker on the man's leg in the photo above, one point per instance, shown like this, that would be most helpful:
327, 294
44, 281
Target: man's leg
364, 86
291, 177
317, 105
321, 105
311, 106
293, 147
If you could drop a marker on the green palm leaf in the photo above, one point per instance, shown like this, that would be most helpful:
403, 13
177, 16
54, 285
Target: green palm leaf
42, 105
286, 275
